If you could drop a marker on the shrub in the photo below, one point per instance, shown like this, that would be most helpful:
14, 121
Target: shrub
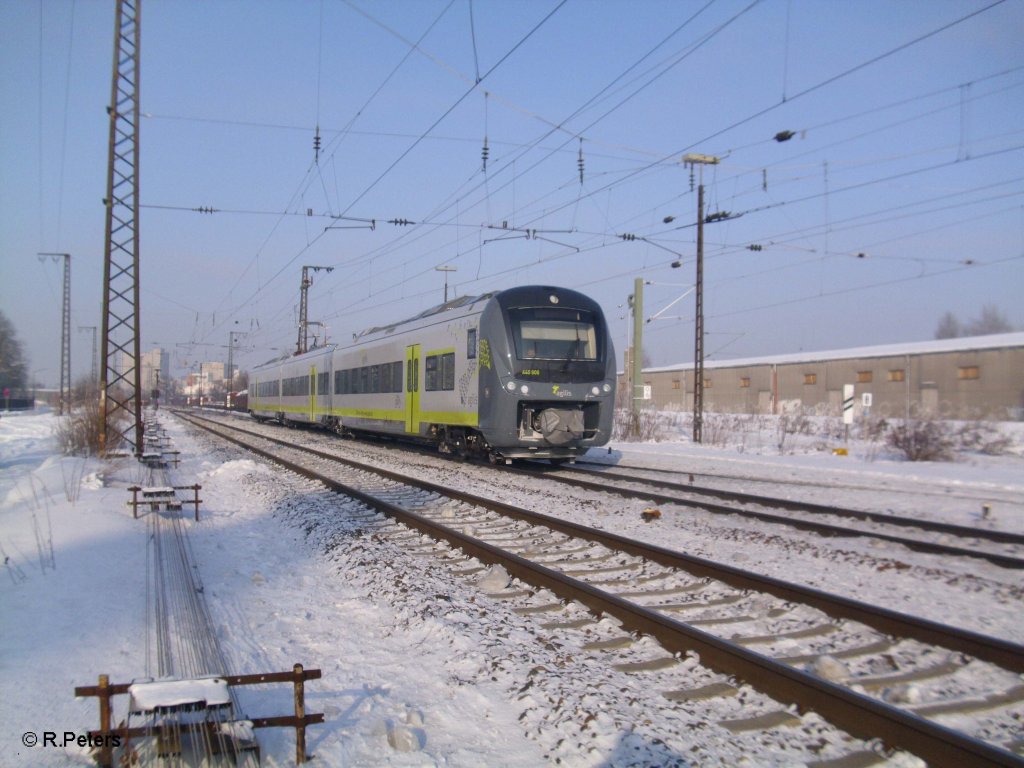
645, 426
922, 440
78, 431
982, 437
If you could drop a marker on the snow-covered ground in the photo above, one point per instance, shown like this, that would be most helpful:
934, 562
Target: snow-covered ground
414, 672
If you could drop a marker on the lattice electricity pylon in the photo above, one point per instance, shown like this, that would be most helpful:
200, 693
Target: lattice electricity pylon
65, 334
120, 380
303, 343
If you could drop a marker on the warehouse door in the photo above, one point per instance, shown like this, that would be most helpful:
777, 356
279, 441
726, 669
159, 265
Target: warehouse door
412, 389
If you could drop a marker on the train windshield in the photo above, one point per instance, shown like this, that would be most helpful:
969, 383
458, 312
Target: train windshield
548, 333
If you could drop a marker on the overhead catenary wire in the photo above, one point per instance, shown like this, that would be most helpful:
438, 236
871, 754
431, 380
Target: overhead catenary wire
492, 69
415, 143
464, 205
812, 89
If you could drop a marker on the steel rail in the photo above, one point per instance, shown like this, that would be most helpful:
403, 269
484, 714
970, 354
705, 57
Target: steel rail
995, 650
853, 712
1000, 494
1004, 561
963, 531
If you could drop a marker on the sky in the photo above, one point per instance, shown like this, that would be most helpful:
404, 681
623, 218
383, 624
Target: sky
898, 196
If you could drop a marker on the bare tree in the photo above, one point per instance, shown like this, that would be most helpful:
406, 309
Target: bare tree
991, 320
13, 368
949, 327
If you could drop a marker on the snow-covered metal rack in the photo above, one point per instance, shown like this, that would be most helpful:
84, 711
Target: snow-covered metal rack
166, 495
205, 703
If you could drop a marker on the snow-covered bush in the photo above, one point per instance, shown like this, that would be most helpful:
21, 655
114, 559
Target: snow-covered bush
982, 437
922, 440
78, 431
644, 427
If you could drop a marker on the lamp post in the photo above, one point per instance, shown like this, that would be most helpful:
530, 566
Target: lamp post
698, 344
65, 334
94, 377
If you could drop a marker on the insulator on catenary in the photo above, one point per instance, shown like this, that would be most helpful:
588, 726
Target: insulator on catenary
579, 161
485, 153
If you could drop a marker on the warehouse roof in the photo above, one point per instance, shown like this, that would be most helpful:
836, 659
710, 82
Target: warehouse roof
964, 344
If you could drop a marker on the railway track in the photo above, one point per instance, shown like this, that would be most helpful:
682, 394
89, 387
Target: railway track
872, 672
725, 481
826, 520
181, 643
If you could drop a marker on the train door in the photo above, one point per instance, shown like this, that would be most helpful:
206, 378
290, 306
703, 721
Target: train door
412, 388
312, 395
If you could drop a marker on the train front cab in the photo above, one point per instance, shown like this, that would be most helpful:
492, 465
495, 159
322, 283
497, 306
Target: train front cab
547, 374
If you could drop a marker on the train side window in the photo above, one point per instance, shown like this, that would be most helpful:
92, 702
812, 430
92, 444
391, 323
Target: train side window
374, 379
471, 344
431, 383
396, 376
385, 377
448, 371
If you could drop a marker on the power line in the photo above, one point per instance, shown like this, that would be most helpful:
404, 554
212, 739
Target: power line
452, 108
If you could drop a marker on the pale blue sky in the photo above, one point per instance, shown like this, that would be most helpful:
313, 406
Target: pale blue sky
908, 147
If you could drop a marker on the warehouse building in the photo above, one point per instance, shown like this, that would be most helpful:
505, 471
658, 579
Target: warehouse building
979, 377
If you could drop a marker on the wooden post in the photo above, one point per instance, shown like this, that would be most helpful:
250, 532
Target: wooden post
106, 755
135, 501
300, 715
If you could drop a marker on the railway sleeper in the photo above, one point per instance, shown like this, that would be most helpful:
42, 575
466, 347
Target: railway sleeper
815, 631
947, 667
587, 572
693, 586
656, 664
571, 624
711, 691
1005, 698
610, 644
778, 718
871, 649
859, 759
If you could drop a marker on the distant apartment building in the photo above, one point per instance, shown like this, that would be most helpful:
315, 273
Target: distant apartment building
154, 370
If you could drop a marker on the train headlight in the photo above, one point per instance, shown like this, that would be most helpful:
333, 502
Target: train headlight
607, 388
595, 391
511, 386
524, 389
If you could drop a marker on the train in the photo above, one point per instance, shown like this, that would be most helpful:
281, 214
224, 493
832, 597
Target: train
523, 373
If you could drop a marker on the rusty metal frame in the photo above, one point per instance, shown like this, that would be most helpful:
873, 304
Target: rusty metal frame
106, 690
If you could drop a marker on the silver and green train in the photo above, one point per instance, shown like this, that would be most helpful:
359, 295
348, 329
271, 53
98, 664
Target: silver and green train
527, 372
